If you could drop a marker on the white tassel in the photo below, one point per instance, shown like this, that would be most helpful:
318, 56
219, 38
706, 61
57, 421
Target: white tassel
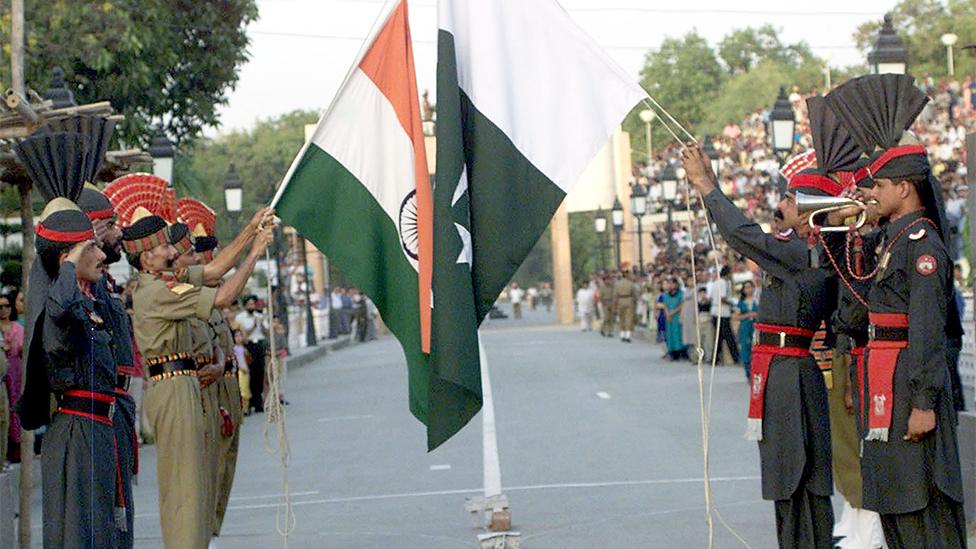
754, 429
121, 523
880, 434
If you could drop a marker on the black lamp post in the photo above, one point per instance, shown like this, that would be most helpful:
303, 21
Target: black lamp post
617, 218
233, 196
712, 153
782, 125
889, 54
162, 151
59, 94
310, 338
638, 207
600, 225
669, 192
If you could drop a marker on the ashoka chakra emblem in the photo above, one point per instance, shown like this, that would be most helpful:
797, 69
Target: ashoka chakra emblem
409, 236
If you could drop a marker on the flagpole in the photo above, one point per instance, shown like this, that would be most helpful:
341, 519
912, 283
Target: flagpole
381, 18
492, 465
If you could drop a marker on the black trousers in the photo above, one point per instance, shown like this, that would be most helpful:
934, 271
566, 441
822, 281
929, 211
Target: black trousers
940, 525
806, 521
726, 336
257, 351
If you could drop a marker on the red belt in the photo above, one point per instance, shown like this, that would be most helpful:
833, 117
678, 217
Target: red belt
882, 357
762, 357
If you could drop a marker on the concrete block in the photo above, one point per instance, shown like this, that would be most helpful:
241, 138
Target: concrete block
967, 461
8, 507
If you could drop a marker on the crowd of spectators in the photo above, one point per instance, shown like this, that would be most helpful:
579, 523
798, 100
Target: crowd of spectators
748, 173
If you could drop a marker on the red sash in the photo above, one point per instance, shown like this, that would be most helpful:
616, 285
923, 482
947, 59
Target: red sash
881, 359
762, 357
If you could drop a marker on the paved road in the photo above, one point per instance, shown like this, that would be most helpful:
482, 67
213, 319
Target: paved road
600, 446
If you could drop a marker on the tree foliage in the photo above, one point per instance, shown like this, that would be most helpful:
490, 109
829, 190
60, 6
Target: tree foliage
921, 24
261, 156
743, 50
155, 60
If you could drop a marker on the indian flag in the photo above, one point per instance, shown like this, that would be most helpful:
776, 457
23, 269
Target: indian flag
525, 100
360, 191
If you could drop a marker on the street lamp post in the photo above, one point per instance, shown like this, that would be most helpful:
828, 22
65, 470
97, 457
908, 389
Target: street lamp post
638, 207
162, 152
889, 54
600, 225
233, 196
647, 116
712, 153
948, 40
310, 338
669, 192
617, 218
782, 125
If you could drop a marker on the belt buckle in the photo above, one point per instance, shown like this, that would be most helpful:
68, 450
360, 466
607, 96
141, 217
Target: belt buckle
782, 339
871, 331
111, 410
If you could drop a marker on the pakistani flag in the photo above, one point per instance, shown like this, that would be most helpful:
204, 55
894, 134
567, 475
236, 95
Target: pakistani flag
360, 191
525, 100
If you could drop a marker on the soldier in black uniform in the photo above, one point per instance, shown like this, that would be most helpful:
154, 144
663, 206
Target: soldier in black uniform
69, 356
111, 308
910, 460
788, 409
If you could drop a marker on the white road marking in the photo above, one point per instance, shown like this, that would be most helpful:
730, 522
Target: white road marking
293, 494
342, 418
381, 497
604, 395
444, 467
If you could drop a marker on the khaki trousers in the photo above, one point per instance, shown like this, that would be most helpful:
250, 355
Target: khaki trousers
229, 398
211, 447
176, 416
625, 310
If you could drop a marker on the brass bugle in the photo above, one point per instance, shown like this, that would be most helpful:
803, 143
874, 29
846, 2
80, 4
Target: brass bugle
821, 205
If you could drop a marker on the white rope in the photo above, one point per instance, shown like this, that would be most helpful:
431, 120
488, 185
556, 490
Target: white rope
274, 413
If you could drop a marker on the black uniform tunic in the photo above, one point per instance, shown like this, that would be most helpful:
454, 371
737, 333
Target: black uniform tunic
117, 322
795, 448
78, 461
902, 477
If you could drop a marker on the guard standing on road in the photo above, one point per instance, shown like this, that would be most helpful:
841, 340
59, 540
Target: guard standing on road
625, 295
110, 306
69, 355
910, 462
788, 412
163, 302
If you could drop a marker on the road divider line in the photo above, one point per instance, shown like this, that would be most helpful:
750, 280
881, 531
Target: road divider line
444, 467
604, 395
343, 418
269, 496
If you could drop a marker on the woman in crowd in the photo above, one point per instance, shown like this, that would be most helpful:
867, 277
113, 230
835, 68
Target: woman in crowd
746, 312
672, 303
13, 344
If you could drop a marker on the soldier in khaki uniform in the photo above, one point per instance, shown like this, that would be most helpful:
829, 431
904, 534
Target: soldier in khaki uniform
624, 300
606, 304
164, 302
210, 366
228, 397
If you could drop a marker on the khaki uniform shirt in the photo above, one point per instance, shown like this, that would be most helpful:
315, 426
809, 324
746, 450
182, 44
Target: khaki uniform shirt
164, 304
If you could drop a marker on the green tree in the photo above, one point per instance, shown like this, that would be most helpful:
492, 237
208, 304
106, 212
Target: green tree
742, 50
921, 24
685, 76
155, 60
261, 156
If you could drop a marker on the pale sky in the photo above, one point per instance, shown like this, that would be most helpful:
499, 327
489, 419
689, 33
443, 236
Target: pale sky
301, 50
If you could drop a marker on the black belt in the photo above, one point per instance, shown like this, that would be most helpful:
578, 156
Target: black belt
95, 405
887, 333
122, 381
184, 366
783, 340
